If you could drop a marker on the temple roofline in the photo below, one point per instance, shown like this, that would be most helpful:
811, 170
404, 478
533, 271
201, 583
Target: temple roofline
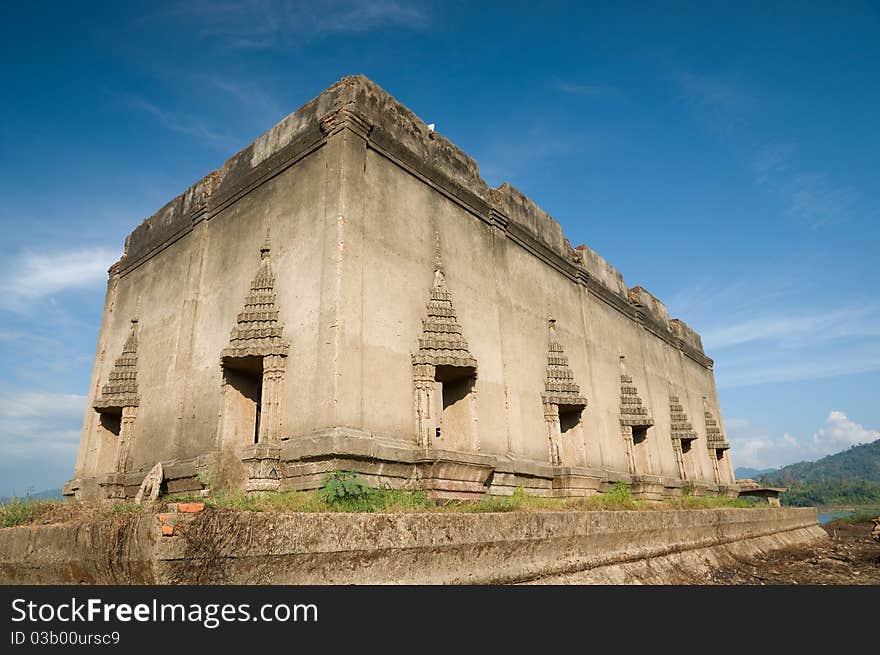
358, 104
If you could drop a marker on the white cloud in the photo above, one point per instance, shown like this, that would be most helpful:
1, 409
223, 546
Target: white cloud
40, 424
749, 452
840, 432
33, 275
754, 448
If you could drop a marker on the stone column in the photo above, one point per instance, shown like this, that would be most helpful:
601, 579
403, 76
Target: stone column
126, 435
423, 378
554, 432
270, 416
714, 456
679, 458
629, 447
472, 407
225, 432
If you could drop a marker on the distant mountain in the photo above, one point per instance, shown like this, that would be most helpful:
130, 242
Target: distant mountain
851, 476
746, 472
48, 494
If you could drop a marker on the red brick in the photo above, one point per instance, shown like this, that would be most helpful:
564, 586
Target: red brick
164, 517
167, 531
190, 508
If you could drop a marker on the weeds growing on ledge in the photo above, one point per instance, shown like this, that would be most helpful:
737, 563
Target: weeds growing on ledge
30, 511
344, 491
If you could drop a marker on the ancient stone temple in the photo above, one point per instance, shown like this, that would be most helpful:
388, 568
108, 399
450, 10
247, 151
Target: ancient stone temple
348, 293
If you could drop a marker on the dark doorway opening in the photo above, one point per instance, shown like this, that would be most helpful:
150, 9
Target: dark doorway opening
640, 448
244, 377
112, 422
454, 385
569, 418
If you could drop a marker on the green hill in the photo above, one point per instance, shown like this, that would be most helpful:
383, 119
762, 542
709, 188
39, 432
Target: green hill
48, 494
851, 476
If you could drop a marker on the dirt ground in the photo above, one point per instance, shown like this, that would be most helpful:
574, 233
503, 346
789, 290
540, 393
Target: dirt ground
849, 557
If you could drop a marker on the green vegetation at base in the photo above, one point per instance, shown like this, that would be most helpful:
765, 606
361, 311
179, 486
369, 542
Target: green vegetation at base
687, 501
17, 512
30, 511
345, 491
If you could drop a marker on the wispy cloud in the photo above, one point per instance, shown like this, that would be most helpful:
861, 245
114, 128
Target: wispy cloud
190, 126
811, 197
715, 91
755, 448
732, 111
798, 330
722, 299
32, 275
583, 90
277, 24
725, 107
506, 160
775, 348
251, 94
762, 330
767, 369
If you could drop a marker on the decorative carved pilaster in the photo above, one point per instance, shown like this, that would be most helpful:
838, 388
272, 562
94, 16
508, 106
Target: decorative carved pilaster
423, 378
679, 459
681, 432
560, 392
715, 441
273, 375
554, 432
632, 413
126, 436
629, 447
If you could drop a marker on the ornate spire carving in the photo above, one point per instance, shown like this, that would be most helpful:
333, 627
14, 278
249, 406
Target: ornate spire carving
121, 389
681, 427
441, 342
258, 332
560, 387
715, 439
632, 411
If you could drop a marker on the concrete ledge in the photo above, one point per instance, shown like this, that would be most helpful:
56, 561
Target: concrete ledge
686, 567
340, 548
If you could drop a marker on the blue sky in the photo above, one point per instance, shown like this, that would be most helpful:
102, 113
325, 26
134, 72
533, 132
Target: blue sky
724, 156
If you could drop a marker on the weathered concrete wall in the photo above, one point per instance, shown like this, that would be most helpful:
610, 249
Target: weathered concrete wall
108, 552
505, 282
435, 548
361, 200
